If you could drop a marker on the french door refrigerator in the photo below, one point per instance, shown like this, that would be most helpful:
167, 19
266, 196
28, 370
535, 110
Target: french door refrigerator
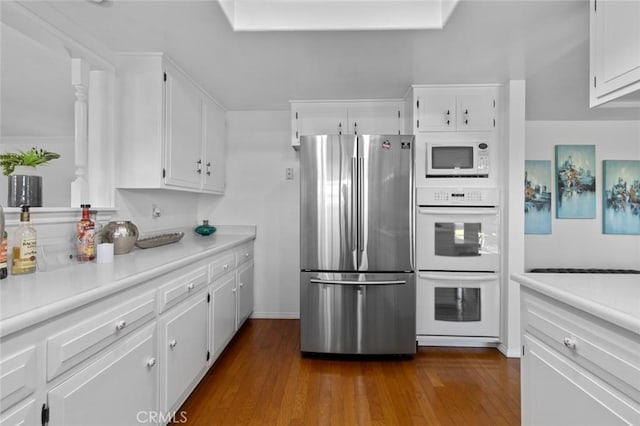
357, 281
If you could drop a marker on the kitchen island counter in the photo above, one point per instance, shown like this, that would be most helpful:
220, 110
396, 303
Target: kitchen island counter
612, 297
28, 300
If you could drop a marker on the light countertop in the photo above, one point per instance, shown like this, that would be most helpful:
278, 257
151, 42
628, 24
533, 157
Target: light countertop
611, 297
26, 300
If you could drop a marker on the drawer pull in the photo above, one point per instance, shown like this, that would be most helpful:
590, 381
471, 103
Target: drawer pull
226, 266
241, 284
151, 362
191, 286
173, 343
246, 255
120, 325
569, 343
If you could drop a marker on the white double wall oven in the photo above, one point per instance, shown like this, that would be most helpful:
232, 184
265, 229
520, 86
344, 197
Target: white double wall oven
458, 257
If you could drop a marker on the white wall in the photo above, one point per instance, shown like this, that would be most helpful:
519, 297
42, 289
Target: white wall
580, 242
178, 209
258, 152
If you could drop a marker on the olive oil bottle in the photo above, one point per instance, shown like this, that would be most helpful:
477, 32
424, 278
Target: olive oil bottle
24, 245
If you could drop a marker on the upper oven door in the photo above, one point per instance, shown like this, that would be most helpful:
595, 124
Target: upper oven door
458, 239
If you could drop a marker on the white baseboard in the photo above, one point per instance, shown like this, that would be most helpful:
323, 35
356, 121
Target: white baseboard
459, 341
276, 315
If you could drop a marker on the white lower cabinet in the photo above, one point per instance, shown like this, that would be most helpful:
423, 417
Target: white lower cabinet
133, 357
118, 388
560, 393
23, 415
576, 369
245, 293
223, 313
184, 350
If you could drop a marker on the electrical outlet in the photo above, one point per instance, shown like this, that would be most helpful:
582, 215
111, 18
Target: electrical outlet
155, 211
289, 173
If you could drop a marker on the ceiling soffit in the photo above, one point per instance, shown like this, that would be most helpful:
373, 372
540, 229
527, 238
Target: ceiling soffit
331, 15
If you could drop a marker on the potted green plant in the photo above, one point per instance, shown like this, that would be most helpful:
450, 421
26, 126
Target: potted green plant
24, 186
31, 158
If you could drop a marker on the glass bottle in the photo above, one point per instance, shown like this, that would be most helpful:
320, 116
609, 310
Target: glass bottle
205, 228
93, 214
24, 245
86, 236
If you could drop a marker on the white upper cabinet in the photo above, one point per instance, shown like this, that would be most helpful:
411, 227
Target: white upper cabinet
615, 52
348, 117
172, 133
215, 135
454, 109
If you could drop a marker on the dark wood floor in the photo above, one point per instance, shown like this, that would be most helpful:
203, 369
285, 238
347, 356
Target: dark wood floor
261, 379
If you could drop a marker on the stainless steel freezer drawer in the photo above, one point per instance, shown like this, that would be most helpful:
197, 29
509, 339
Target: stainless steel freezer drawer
352, 313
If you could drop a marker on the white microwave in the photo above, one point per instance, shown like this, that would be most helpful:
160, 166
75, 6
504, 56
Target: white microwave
457, 159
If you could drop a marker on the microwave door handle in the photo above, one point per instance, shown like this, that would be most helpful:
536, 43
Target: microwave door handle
457, 211
458, 277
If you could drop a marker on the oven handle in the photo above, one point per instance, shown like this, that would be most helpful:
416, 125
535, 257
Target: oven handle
347, 282
457, 210
465, 276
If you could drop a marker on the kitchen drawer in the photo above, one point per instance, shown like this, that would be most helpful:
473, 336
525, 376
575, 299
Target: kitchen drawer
223, 264
606, 350
75, 344
17, 377
244, 254
180, 288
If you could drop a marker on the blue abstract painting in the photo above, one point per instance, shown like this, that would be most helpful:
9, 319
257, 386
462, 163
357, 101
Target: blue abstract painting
537, 197
621, 197
576, 181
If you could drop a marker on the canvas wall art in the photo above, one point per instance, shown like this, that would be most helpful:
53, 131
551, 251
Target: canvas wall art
575, 181
537, 197
621, 197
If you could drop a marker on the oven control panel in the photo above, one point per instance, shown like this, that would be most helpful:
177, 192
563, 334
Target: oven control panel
458, 196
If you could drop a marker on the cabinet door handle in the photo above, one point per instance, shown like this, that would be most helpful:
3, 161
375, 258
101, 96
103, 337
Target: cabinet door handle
246, 254
569, 343
173, 343
226, 266
151, 362
199, 166
120, 325
191, 286
209, 168
234, 290
241, 284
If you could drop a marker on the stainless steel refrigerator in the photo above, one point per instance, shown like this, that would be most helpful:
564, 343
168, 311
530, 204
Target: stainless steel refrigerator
357, 281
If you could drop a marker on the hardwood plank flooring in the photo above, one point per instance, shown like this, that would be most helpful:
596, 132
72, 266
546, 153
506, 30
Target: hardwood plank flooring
261, 379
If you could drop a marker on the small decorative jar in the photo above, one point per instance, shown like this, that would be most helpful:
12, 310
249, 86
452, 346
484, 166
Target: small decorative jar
205, 228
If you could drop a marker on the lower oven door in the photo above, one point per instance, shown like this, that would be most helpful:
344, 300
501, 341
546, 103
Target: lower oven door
355, 313
458, 238
458, 304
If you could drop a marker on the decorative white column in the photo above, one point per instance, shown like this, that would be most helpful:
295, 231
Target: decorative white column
100, 155
80, 82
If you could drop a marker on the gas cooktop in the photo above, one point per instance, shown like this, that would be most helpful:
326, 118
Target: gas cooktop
584, 271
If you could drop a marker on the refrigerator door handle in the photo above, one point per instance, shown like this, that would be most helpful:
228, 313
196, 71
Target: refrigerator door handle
347, 282
362, 214
354, 205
